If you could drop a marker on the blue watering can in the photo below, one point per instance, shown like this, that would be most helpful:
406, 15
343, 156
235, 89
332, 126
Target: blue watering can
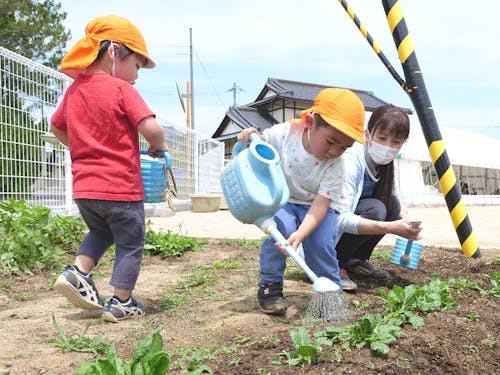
406, 253
255, 187
253, 182
155, 174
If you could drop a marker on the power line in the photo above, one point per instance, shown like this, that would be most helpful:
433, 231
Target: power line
210, 80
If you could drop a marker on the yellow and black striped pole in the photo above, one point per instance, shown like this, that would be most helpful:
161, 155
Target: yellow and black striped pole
415, 88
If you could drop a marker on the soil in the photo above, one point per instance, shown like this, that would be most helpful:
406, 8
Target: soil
218, 323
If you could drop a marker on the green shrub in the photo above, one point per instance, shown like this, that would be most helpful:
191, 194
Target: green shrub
168, 244
32, 239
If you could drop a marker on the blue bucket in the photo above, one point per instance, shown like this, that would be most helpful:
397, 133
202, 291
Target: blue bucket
154, 177
406, 253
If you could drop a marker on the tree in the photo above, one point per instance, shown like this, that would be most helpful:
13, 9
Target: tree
34, 29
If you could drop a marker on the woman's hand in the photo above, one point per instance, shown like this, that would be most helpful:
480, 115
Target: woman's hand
404, 228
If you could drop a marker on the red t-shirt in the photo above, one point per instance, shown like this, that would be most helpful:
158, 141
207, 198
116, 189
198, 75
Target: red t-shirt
100, 113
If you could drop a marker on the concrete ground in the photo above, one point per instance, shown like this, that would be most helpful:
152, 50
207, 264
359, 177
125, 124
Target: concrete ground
436, 223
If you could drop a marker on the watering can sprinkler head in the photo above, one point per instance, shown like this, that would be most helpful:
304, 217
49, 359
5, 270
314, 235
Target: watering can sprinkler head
325, 285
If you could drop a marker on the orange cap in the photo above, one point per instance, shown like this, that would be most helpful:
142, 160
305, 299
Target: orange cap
342, 109
114, 28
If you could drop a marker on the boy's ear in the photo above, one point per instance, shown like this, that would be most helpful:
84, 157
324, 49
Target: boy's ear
309, 119
112, 50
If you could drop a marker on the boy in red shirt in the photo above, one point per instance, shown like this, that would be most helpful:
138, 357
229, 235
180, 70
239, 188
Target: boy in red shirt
99, 119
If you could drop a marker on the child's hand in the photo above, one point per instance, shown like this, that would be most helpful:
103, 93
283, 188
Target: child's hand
153, 149
245, 133
293, 241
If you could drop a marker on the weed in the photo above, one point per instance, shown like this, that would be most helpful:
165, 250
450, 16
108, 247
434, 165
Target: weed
4, 286
245, 244
234, 361
359, 306
192, 360
242, 339
77, 343
227, 266
27, 296
173, 300
273, 339
473, 317
383, 252
403, 362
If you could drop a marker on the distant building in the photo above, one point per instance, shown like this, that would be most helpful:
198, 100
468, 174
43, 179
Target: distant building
279, 101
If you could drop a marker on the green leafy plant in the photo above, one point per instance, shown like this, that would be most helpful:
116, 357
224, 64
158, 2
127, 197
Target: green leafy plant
405, 303
32, 239
148, 359
168, 244
306, 351
373, 331
495, 282
402, 306
465, 282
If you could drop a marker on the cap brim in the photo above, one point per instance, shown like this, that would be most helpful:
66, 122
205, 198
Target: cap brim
345, 128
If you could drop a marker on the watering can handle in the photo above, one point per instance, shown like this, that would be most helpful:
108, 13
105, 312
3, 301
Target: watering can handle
240, 146
276, 179
161, 154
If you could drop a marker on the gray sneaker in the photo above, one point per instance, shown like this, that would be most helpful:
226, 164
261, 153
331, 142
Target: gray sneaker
114, 310
78, 289
346, 283
362, 269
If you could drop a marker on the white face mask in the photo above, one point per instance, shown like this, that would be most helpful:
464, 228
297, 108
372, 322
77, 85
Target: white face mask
380, 154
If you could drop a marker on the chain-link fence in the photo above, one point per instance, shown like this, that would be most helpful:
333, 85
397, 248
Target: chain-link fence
36, 168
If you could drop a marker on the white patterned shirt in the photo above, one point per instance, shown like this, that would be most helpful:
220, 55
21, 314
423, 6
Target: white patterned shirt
306, 175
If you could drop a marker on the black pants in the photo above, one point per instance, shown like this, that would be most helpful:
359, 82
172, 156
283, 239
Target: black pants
360, 246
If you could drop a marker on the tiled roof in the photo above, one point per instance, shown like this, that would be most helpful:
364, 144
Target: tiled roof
253, 114
293, 90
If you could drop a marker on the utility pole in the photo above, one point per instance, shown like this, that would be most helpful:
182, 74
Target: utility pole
191, 75
235, 89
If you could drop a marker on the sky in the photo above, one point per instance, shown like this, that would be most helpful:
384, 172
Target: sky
245, 42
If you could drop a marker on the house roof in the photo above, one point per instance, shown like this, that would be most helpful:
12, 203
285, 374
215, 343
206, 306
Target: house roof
276, 90
284, 89
243, 117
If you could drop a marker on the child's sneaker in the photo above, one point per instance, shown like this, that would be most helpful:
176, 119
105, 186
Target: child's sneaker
114, 310
271, 300
79, 289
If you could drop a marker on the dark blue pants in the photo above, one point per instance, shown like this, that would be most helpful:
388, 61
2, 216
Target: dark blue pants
361, 246
121, 223
319, 250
